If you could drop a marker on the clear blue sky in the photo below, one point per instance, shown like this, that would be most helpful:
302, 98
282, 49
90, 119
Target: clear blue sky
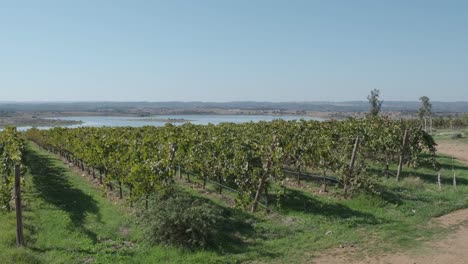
228, 50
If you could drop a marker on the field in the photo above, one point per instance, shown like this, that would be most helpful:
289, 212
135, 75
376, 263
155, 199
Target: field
68, 220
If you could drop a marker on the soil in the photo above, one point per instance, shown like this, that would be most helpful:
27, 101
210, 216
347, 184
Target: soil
459, 150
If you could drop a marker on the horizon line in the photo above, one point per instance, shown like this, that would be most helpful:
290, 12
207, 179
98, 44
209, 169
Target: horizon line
217, 102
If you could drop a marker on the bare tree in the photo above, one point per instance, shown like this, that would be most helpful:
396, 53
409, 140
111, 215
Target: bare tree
374, 102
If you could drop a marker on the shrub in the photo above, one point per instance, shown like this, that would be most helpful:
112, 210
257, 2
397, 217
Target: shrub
182, 220
456, 136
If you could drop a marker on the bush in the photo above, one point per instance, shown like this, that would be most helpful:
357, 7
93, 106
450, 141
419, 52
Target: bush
456, 136
182, 220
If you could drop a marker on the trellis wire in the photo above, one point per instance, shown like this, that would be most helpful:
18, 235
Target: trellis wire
225, 187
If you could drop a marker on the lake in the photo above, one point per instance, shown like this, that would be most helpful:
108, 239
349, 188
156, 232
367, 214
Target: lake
120, 121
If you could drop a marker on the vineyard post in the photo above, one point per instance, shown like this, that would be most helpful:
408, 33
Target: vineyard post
454, 179
324, 188
219, 178
299, 175
387, 169
146, 201
130, 187
439, 182
402, 154
19, 217
351, 166
454, 175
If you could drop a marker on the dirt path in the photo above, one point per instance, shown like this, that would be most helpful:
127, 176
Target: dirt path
451, 250
456, 149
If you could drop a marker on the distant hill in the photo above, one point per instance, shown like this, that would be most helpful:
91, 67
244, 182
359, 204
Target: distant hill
350, 106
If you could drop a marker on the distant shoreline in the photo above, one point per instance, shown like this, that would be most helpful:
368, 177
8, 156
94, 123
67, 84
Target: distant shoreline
35, 122
164, 120
154, 115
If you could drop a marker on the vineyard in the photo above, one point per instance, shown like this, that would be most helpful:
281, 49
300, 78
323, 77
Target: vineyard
230, 192
450, 122
11, 152
249, 158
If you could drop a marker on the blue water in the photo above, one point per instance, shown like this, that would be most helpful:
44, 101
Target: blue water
119, 121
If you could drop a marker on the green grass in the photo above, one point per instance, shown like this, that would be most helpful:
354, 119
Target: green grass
69, 221
66, 219
445, 135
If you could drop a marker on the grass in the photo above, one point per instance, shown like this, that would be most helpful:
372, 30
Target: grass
68, 220
445, 135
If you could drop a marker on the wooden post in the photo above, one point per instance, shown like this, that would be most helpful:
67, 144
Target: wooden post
439, 182
454, 175
220, 188
351, 166
130, 194
454, 179
19, 216
146, 201
299, 175
324, 185
387, 170
402, 154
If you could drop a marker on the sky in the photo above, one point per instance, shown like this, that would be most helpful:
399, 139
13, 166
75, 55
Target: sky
233, 50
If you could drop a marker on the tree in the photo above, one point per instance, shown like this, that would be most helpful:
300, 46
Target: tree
425, 110
375, 104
